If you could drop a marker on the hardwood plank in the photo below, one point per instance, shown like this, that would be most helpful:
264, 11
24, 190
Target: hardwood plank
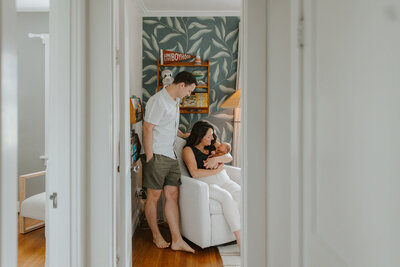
146, 254
32, 247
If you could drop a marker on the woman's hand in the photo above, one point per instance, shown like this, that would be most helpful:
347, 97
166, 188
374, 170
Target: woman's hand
211, 163
221, 166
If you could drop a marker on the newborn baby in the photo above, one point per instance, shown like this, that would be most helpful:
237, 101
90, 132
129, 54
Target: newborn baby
219, 156
222, 149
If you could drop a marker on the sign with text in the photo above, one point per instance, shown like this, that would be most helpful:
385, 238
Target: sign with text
171, 56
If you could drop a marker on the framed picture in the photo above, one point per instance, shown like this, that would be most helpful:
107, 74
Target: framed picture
135, 148
136, 109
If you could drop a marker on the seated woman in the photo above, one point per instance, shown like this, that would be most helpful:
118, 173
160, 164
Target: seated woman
196, 154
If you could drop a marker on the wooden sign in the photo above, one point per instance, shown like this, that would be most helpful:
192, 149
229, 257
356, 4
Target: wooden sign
171, 56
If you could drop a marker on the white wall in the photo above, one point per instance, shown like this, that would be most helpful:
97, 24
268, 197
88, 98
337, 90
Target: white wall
31, 76
278, 133
254, 126
135, 29
134, 20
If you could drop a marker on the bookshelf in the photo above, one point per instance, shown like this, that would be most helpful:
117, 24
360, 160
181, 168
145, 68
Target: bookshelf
199, 101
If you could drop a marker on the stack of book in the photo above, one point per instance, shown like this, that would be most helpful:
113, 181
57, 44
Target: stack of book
198, 100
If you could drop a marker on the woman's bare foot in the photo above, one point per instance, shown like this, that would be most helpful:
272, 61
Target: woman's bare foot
182, 245
160, 242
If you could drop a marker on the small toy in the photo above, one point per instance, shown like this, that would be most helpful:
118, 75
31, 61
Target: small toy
200, 76
197, 60
167, 78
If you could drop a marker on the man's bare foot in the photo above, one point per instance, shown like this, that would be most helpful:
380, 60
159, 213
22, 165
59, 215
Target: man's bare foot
182, 245
160, 242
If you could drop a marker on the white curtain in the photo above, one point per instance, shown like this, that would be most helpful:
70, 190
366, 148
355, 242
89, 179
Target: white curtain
236, 138
236, 148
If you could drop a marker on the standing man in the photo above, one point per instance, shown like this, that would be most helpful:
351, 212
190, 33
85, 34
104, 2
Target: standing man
160, 166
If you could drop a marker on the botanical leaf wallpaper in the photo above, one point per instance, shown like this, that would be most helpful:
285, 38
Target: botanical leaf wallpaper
212, 38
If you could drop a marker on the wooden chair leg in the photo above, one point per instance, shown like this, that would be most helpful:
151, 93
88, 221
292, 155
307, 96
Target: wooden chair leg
21, 198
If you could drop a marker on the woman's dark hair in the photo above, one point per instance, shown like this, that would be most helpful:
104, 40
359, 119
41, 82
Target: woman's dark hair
199, 130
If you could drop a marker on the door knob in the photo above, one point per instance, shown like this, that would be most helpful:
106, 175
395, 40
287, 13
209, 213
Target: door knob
54, 198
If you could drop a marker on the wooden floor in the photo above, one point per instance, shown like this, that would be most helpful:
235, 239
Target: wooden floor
31, 248
31, 251
146, 254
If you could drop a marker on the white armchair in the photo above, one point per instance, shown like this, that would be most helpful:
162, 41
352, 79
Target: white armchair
202, 219
33, 207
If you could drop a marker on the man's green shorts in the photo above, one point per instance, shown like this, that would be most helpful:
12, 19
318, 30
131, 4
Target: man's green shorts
160, 171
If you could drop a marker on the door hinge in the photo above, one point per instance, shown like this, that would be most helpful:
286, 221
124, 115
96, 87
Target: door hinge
300, 32
117, 259
117, 56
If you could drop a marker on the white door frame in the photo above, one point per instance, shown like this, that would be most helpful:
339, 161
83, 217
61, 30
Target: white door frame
8, 133
124, 194
253, 127
66, 165
254, 172
101, 136
78, 107
271, 127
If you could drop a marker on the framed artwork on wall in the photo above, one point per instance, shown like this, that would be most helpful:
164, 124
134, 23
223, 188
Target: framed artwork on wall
135, 147
136, 109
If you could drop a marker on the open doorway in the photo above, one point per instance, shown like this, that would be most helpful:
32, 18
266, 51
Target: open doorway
33, 81
215, 39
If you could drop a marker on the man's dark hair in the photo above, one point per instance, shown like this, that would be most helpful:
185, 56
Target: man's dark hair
185, 77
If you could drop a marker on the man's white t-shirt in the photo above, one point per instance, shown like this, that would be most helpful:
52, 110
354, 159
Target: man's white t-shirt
163, 111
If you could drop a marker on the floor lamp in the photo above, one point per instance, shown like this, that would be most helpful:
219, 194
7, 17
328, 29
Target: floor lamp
234, 102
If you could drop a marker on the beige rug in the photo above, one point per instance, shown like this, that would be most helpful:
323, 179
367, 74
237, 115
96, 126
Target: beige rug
230, 255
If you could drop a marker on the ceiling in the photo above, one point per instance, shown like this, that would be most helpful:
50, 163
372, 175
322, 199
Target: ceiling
32, 5
160, 7
191, 5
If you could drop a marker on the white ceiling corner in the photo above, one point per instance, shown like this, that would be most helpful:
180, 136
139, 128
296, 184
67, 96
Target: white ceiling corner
190, 7
33, 5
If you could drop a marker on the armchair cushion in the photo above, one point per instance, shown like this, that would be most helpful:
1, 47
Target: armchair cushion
34, 207
234, 173
178, 147
215, 207
195, 211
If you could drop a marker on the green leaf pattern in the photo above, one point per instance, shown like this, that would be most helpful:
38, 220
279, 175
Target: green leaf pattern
214, 39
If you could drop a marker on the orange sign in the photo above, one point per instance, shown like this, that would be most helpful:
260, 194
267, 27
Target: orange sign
171, 56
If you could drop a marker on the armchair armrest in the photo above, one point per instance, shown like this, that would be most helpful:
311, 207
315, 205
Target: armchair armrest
22, 180
195, 211
32, 175
234, 173
22, 196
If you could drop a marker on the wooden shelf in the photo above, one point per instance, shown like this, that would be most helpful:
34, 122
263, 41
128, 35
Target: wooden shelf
204, 64
184, 64
199, 86
186, 110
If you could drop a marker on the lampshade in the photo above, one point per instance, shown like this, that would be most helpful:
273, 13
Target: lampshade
233, 101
